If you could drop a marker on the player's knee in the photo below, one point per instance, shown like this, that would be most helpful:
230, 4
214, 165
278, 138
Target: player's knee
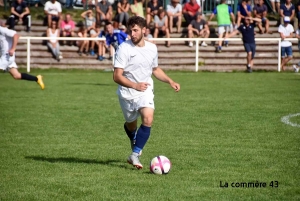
147, 120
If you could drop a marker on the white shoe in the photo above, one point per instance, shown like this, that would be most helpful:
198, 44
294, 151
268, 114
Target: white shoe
204, 44
191, 44
134, 160
60, 55
296, 70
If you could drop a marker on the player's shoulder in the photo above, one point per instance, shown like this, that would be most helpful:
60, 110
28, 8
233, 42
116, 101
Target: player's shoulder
150, 45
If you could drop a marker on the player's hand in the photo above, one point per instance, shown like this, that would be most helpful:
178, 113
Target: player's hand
175, 86
11, 52
141, 86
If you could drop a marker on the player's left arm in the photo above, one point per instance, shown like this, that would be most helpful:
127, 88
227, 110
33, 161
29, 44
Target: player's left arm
161, 76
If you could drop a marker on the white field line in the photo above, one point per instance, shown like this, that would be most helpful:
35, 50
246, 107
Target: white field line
286, 120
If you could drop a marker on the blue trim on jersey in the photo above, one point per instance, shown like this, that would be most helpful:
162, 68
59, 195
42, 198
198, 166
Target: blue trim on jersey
229, 10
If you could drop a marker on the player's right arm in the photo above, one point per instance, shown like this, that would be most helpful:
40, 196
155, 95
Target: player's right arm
15, 42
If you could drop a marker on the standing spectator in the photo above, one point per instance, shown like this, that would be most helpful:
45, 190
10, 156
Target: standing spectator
114, 38
53, 43
275, 5
122, 12
286, 31
67, 27
248, 35
19, 11
152, 10
90, 25
287, 10
83, 44
223, 12
174, 11
137, 8
260, 11
104, 12
190, 10
53, 12
198, 28
161, 25
243, 10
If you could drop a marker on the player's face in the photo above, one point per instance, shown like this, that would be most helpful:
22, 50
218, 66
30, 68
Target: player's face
136, 33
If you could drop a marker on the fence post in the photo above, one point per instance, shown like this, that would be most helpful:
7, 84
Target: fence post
28, 54
197, 55
279, 55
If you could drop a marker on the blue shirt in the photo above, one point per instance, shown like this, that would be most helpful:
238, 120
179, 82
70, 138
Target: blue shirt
102, 34
229, 10
248, 33
118, 37
19, 8
286, 11
241, 9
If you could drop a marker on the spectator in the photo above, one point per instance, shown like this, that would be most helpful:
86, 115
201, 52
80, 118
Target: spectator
286, 31
104, 12
174, 11
190, 10
297, 10
53, 12
260, 11
248, 35
122, 12
83, 44
152, 10
67, 27
90, 25
19, 11
101, 44
148, 34
287, 10
137, 8
53, 43
69, 4
198, 28
123, 28
161, 25
223, 12
275, 5
114, 38
243, 10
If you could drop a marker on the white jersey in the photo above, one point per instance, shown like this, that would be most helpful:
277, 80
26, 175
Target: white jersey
6, 40
53, 8
138, 63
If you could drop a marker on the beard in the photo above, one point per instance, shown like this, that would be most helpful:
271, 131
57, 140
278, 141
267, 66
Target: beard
137, 40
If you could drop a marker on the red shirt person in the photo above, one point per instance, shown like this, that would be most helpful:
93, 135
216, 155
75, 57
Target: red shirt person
190, 10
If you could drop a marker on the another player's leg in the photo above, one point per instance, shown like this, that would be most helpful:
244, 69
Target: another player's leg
24, 76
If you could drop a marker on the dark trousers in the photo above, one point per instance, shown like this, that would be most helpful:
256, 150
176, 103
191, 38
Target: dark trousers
12, 20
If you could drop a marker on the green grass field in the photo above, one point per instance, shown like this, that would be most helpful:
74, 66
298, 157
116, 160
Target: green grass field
67, 142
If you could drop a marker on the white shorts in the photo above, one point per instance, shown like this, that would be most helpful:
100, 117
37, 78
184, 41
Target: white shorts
223, 28
7, 61
130, 108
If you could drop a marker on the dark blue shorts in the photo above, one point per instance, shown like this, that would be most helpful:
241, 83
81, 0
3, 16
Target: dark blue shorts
286, 52
250, 47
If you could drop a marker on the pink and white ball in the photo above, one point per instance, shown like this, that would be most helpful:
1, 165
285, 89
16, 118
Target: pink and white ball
160, 165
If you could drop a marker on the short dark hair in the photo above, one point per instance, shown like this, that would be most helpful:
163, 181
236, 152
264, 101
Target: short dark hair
223, 1
108, 23
136, 20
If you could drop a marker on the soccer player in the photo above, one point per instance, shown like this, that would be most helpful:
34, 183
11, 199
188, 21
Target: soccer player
8, 43
248, 34
135, 62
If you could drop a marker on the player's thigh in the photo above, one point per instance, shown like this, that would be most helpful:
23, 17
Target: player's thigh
129, 111
145, 105
7, 62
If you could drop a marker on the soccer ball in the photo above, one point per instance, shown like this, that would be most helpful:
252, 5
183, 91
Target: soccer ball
160, 165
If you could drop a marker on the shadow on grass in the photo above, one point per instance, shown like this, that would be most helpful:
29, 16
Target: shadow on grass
115, 163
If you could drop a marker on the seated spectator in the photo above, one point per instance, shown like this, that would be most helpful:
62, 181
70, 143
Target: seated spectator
82, 44
19, 11
137, 8
148, 34
67, 27
174, 11
275, 5
190, 10
243, 10
122, 12
152, 9
260, 11
123, 28
287, 10
198, 28
104, 12
53, 43
101, 44
90, 25
114, 38
161, 25
53, 12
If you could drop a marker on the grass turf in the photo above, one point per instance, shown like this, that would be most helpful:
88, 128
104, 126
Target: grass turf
67, 142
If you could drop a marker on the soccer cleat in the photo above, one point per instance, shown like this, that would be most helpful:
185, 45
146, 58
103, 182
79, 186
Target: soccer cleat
134, 160
40, 81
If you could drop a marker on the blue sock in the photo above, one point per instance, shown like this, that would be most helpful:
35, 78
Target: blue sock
142, 137
130, 134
